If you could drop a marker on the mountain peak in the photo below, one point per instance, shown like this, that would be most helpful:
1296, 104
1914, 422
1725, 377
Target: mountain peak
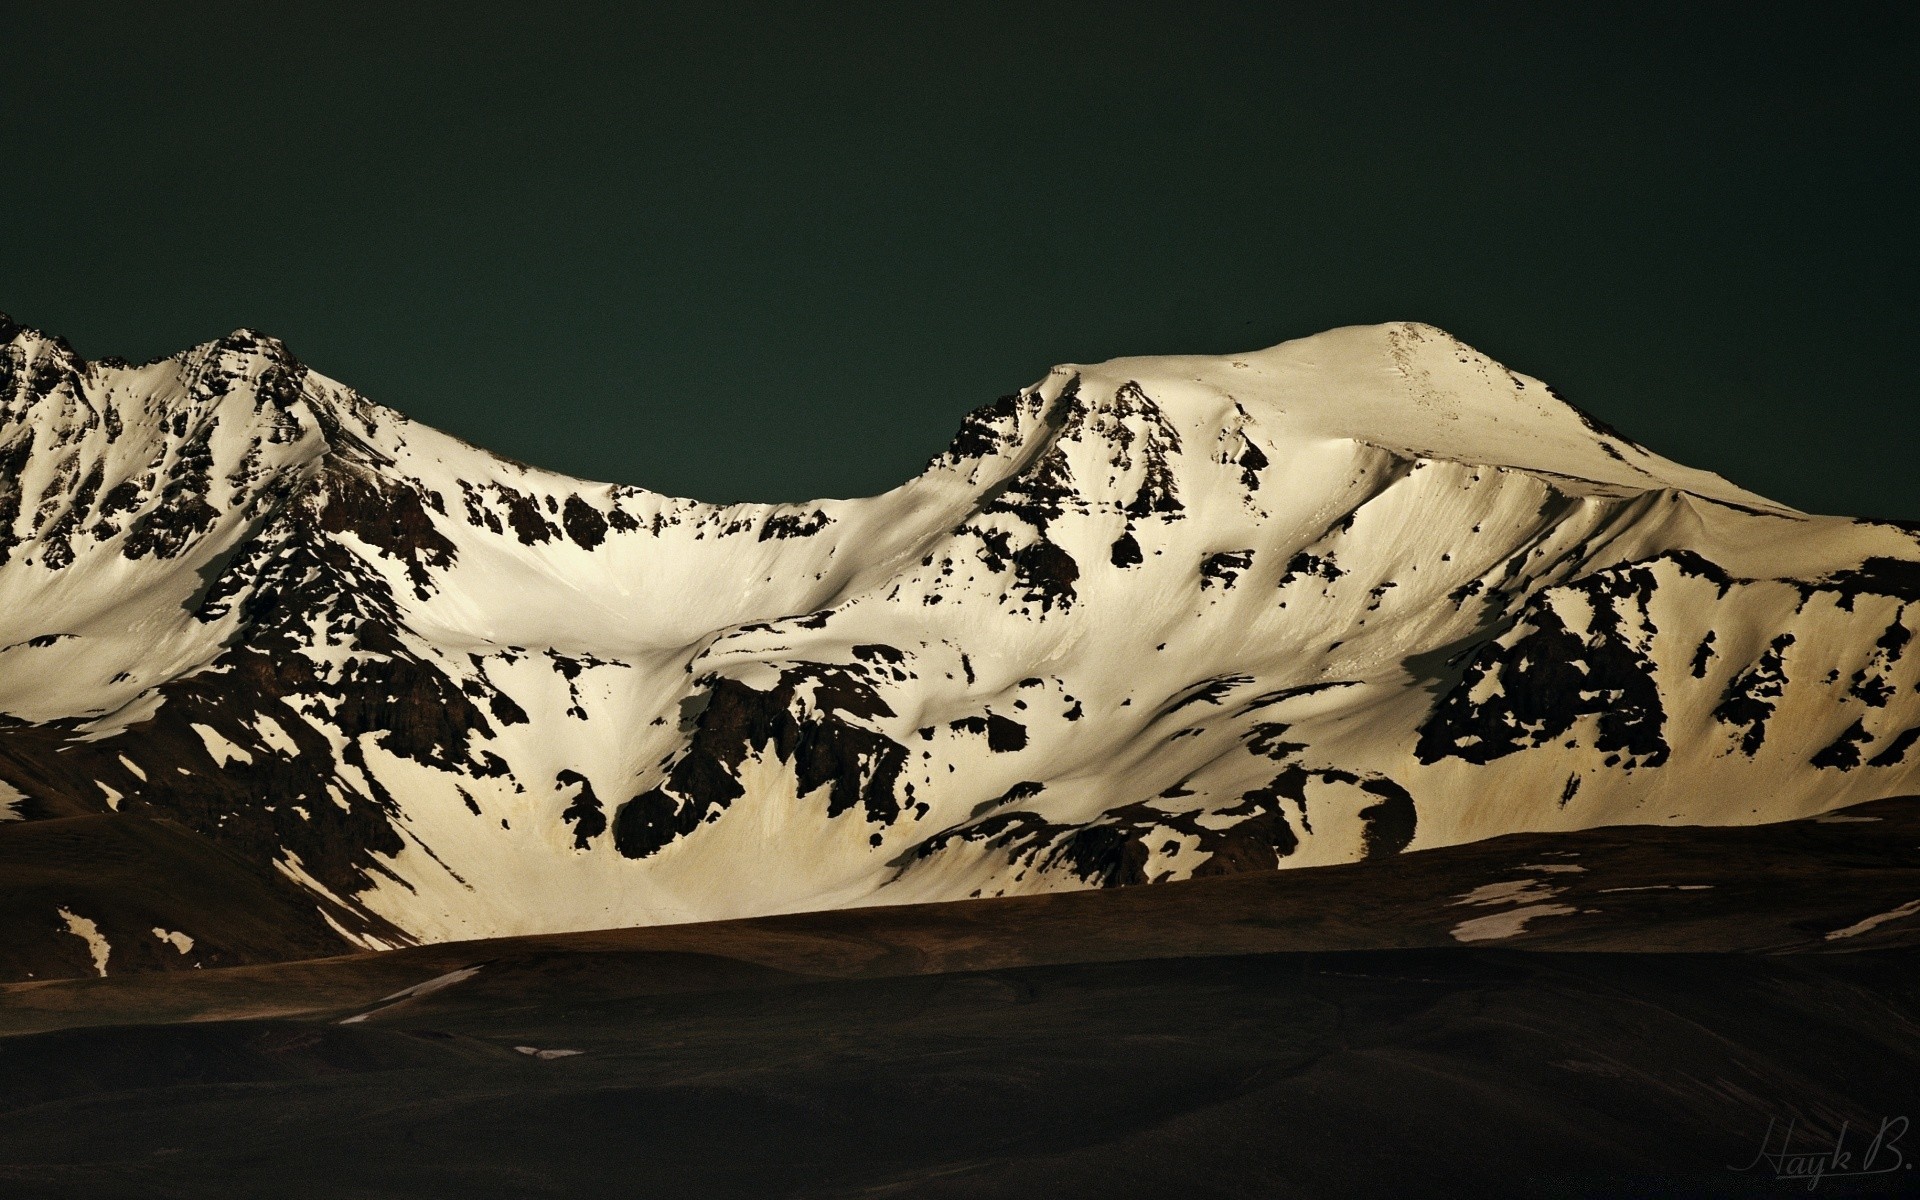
1411, 388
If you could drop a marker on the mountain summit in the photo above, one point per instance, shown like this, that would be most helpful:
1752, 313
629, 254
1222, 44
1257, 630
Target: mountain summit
1149, 619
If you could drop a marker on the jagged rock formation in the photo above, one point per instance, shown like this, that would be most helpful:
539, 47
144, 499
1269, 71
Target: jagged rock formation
1151, 619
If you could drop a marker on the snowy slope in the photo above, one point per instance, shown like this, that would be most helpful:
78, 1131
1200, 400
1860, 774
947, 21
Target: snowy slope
1146, 619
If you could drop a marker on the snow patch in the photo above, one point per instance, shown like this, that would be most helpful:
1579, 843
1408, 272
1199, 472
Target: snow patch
273, 736
547, 1055
1874, 922
428, 988
1512, 891
437, 983
1507, 924
86, 930
1663, 887
222, 750
179, 941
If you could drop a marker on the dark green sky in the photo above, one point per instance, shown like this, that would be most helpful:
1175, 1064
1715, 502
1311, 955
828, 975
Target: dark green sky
741, 252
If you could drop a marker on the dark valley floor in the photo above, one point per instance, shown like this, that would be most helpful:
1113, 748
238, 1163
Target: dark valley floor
1614, 1012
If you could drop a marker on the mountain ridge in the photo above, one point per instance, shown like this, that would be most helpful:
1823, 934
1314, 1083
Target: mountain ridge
1144, 619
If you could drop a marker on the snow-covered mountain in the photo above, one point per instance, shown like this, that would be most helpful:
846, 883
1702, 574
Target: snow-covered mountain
1149, 619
